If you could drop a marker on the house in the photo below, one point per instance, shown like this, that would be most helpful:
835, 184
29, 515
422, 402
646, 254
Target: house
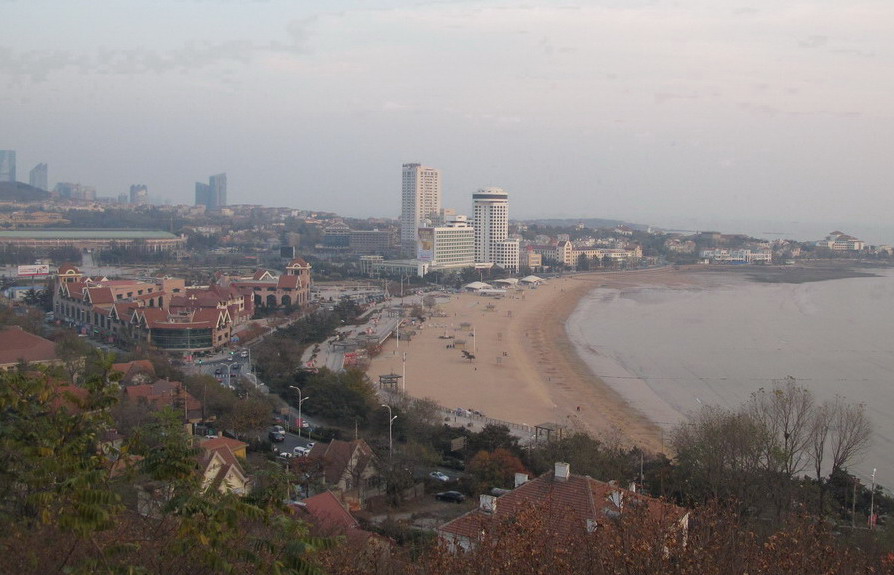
329, 517
574, 504
326, 513
349, 469
164, 393
219, 467
237, 447
18, 345
135, 372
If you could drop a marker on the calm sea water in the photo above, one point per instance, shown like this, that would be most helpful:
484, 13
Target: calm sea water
667, 351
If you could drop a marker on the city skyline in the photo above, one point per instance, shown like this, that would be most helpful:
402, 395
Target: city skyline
683, 114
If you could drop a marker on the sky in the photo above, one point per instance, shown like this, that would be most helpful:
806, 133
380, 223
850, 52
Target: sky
681, 113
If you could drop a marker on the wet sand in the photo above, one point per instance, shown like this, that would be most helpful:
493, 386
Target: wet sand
526, 369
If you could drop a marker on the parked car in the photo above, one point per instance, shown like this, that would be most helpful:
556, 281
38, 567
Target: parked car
438, 476
301, 451
243, 353
285, 455
277, 434
450, 496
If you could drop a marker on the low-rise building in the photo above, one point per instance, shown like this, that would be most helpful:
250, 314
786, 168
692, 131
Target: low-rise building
17, 345
739, 256
571, 504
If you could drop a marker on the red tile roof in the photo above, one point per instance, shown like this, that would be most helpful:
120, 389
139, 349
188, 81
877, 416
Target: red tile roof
233, 444
293, 282
328, 513
571, 504
17, 344
337, 455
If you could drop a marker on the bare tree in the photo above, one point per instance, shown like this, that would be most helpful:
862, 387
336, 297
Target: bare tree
786, 412
842, 431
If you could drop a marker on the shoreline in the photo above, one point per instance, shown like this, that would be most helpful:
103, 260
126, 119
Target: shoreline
526, 368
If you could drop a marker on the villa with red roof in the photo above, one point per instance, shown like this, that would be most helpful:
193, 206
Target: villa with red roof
18, 345
572, 503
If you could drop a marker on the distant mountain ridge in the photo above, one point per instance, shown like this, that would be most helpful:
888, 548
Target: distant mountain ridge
21, 192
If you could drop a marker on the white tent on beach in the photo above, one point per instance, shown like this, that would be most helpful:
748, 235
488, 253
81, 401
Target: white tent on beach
477, 286
531, 280
507, 281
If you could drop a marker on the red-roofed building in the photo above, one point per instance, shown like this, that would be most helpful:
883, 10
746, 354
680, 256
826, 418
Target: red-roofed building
135, 372
220, 469
269, 290
349, 469
169, 315
18, 345
165, 393
571, 502
237, 447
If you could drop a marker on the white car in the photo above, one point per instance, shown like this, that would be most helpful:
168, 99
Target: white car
301, 451
285, 455
438, 476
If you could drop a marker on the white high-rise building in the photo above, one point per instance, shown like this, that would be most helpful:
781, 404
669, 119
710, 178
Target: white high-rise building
451, 245
421, 200
491, 207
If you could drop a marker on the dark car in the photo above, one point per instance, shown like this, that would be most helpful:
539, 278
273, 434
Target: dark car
450, 496
277, 434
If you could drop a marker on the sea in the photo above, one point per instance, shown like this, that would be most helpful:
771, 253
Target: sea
670, 350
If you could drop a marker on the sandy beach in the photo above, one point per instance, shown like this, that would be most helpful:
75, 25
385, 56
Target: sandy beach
525, 368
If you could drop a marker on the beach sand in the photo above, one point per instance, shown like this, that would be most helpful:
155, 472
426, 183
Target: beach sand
526, 369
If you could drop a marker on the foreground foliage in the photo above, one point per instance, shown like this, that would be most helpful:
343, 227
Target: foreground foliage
73, 502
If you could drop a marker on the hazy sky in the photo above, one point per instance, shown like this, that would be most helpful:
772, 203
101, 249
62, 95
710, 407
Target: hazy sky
646, 111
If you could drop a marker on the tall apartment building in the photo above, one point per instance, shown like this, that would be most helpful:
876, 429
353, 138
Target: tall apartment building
491, 221
218, 184
7, 165
38, 177
420, 200
139, 195
212, 195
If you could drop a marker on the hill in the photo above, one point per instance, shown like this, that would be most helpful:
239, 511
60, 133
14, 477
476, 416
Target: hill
21, 192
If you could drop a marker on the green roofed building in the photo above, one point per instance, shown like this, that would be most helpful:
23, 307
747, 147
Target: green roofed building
150, 240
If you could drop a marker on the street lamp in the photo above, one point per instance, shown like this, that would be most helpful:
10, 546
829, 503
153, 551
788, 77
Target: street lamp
390, 422
300, 401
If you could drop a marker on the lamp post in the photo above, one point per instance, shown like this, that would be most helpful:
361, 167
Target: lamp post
301, 400
390, 422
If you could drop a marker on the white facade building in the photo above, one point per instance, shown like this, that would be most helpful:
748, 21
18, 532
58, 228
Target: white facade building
421, 200
451, 245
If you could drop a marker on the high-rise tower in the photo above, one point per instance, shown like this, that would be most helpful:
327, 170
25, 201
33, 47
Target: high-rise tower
420, 200
491, 221
218, 185
38, 177
7, 165
212, 195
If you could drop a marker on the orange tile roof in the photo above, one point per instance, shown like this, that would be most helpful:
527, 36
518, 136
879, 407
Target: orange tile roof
570, 504
325, 510
17, 344
232, 444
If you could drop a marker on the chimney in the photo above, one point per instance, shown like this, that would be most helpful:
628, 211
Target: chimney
521, 479
487, 503
563, 471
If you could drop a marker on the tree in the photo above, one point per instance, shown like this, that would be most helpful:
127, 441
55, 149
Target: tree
72, 350
786, 412
720, 455
841, 430
583, 263
495, 468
